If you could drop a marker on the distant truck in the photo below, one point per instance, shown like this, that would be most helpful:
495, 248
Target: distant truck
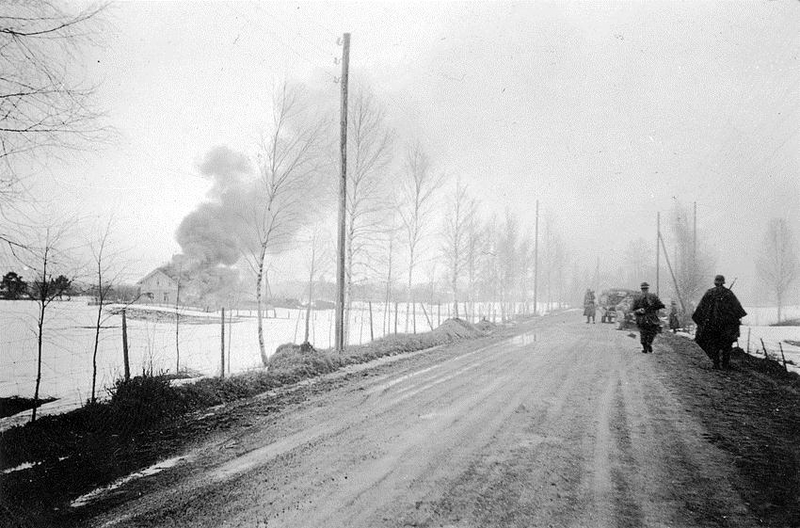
610, 299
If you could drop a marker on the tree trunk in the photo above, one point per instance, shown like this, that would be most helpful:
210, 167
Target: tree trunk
40, 326
259, 280
96, 342
177, 328
410, 298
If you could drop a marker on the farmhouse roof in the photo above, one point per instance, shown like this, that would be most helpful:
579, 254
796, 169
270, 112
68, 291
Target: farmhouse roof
163, 270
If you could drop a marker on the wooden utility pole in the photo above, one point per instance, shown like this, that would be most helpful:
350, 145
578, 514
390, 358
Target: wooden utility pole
536, 260
658, 248
340, 264
672, 273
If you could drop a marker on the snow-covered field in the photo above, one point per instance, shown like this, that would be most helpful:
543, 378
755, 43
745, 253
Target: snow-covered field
756, 334
69, 341
755, 327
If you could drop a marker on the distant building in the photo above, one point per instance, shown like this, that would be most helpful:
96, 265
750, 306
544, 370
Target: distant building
158, 287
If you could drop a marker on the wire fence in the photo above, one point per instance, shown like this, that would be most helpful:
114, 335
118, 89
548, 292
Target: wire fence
187, 344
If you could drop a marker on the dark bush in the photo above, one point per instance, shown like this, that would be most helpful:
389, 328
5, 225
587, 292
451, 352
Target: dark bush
142, 401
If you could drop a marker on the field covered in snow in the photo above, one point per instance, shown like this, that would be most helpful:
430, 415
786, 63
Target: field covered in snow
69, 341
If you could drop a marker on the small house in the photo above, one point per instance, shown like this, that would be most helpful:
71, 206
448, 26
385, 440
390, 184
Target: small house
157, 287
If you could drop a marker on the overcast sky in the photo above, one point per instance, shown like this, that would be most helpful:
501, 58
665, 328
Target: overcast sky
604, 112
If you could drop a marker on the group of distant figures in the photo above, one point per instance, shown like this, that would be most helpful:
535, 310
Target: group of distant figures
717, 319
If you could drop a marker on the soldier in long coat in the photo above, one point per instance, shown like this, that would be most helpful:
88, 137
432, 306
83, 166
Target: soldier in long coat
589, 306
645, 307
718, 316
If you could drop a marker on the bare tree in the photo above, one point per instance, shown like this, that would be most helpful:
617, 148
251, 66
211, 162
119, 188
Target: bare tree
474, 256
777, 264
455, 240
490, 270
509, 263
319, 255
389, 238
418, 186
688, 257
526, 261
638, 261
290, 164
46, 257
107, 273
45, 105
370, 151
104, 285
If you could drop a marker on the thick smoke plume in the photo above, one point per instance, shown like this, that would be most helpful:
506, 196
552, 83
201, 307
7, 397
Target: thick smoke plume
214, 233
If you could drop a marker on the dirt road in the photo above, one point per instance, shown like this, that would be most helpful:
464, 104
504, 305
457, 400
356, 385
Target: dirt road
566, 424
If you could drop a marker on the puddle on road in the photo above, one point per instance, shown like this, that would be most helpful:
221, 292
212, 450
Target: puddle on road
26, 465
528, 338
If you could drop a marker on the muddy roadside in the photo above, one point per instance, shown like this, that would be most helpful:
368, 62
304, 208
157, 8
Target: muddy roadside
41, 495
752, 411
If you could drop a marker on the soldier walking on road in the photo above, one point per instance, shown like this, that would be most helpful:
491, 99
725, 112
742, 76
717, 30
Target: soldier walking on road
589, 307
645, 308
718, 317
674, 319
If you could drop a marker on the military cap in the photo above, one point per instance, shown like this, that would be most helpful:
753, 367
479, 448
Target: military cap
644, 285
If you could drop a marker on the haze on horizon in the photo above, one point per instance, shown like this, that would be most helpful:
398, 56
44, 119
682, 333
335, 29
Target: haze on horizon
605, 113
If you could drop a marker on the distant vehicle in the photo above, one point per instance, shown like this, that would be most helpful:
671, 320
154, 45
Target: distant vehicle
609, 299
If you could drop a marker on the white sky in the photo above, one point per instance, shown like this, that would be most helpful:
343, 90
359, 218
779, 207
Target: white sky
605, 112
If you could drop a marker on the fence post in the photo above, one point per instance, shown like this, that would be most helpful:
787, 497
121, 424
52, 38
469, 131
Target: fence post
230, 335
783, 357
426, 316
766, 356
125, 360
748, 339
222, 345
371, 332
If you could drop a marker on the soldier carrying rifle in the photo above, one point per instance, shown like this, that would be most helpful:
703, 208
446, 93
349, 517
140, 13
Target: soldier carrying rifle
718, 317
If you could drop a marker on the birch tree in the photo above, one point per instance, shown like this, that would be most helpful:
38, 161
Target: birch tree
474, 254
509, 263
290, 165
389, 240
455, 240
418, 185
45, 258
104, 285
319, 255
370, 143
777, 264
689, 259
